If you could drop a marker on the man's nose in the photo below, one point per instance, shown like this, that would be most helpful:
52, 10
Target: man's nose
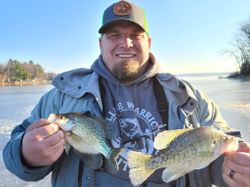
126, 42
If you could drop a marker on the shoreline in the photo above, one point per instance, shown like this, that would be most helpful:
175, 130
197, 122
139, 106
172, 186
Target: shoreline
238, 76
26, 83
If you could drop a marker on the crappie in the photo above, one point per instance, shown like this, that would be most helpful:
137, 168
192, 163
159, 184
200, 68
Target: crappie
86, 134
184, 151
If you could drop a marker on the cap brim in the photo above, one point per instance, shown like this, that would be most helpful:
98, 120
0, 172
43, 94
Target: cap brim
108, 25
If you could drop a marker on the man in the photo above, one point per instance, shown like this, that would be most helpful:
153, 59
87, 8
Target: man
120, 86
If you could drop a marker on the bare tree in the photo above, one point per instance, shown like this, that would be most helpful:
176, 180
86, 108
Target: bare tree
240, 50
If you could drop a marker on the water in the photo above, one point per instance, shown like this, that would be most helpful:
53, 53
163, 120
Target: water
231, 95
16, 103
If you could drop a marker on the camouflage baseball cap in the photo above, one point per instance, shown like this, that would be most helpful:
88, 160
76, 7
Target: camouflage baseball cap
124, 10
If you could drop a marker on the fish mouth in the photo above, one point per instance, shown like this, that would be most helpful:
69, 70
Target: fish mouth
231, 144
63, 123
62, 126
235, 144
52, 117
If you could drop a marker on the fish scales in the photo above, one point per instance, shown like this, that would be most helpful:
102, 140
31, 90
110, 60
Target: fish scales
185, 146
190, 150
88, 135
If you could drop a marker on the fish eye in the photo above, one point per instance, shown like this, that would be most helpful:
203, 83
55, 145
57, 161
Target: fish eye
214, 142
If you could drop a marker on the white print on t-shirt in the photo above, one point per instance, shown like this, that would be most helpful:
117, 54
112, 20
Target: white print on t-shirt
137, 127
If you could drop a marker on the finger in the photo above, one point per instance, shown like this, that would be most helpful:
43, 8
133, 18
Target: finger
244, 147
237, 179
230, 182
228, 179
52, 153
54, 139
241, 169
57, 147
37, 124
241, 158
60, 149
59, 152
45, 131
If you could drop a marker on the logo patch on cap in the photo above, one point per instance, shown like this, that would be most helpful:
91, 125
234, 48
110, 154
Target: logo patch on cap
122, 8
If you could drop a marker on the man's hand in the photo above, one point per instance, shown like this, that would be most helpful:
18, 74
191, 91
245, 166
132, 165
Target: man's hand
42, 143
236, 167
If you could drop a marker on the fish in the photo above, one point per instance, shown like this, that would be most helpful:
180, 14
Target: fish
179, 152
88, 135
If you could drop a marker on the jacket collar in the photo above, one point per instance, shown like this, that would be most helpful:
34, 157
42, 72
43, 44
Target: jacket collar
79, 82
180, 91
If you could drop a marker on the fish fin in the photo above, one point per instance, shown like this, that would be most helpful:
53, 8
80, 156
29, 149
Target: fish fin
93, 161
73, 114
99, 119
109, 130
163, 139
113, 167
110, 133
139, 168
67, 147
168, 175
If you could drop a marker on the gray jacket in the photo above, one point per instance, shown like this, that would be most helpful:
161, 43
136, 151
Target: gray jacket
78, 91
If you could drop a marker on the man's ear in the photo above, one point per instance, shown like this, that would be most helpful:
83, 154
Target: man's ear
149, 42
100, 42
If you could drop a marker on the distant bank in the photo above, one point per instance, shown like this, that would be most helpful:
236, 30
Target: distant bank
25, 83
238, 75
17, 73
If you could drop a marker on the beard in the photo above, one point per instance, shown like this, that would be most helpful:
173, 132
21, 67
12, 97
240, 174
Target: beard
126, 71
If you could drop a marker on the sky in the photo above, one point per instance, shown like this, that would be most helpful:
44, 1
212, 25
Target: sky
188, 36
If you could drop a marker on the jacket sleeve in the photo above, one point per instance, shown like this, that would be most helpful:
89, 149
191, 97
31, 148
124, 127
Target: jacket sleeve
207, 113
12, 151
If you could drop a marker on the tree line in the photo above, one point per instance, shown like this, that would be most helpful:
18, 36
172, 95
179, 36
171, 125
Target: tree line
14, 71
240, 50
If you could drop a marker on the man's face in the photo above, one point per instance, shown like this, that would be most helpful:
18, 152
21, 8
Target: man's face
125, 50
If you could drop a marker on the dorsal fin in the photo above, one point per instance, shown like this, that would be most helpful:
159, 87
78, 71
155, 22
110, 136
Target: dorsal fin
108, 128
163, 138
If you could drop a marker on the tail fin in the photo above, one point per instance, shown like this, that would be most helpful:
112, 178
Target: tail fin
139, 167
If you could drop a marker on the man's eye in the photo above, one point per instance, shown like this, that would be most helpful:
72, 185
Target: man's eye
136, 36
112, 36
